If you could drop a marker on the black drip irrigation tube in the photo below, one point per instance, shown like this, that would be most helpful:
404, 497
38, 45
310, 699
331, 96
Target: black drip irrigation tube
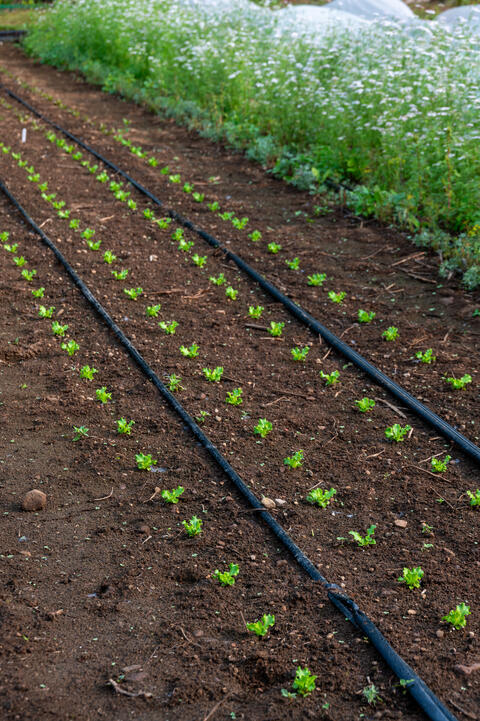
424, 696
414, 405
11, 34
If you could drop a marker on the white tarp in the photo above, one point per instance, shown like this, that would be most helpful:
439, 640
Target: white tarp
317, 19
467, 13
373, 9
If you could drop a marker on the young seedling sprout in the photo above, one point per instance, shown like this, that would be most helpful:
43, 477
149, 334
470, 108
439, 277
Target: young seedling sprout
38, 293
174, 383
144, 461
295, 460
44, 312
255, 236
299, 354
185, 245
227, 578
173, 496
371, 695
260, 628
169, 328
193, 527
19, 261
231, 293
109, 257
239, 223
396, 432
317, 279
365, 316
87, 372
474, 497
102, 395
426, 357
459, 383
213, 375
80, 432
191, 352
120, 274
58, 329
391, 333
29, 274
439, 466
255, 311
94, 244
133, 293
274, 248
368, 539
365, 404
199, 260
336, 297
457, 617
202, 416
124, 427
219, 280
293, 264
304, 683
412, 577
276, 329
263, 427
234, 397
71, 347
330, 378
321, 497
152, 311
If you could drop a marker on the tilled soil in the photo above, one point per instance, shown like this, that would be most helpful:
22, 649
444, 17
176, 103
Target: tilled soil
104, 593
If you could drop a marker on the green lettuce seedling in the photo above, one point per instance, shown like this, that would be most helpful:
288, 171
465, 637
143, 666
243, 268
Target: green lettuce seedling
109, 257
227, 578
133, 293
169, 328
371, 695
38, 293
71, 347
198, 197
239, 223
124, 426
396, 432
474, 497
336, 297
88, 233
174, 383
321, 497
152, 311
368, 539
102, 395
365, 316
58, 329
330, 378
44, 312
263, 427
426, 357
255, 236
120, 274
178, 234
219, 280
458, 616
234, 397
185, 245
365, 404
299, 354
459, 383
411, 577
94, 245
193, 527
316, 279
276, 329
231, 293
145, 461
295, 460
391, 333
261, 627
440, 466
199, 260
191, 352
255, 311
274, 248
293, 264
173, 496
80, 432
19, 261
29, 274
213, 374
304, 683
87, 372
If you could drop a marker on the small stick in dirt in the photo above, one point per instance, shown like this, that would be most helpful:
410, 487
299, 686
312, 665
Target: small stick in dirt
282, 398
256, 327
380, 250
409, 257
45, 222
155, 493
374, 455
466, 713
216, 707
417, 277
118, 689
424, 470
392, 407
104, 498
424, 460
109, 217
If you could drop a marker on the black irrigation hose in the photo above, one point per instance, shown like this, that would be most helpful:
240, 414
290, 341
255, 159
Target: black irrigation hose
431, 418
11, 34
424, 696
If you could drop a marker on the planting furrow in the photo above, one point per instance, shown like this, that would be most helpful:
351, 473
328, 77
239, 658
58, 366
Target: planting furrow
422, 694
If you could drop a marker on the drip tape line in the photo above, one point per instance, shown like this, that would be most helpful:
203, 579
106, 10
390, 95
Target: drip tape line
431, 418
418, 408
424, 696
6, 34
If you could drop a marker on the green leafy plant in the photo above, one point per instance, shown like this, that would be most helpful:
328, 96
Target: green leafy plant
336, 297
263, 427
303, 683
58, 329
295, 460
198, 197
391, 333
368, 539
109, 257
457, 617
316, 279
231, 293
227, 215
44, 312
202, 416
174, 382
365, 316
239, 223
80, 432
219, 280
29, 274
234, 397
175, 178
426, 357
152, 311
214, 206
440, 466
371, 695
256, 235
321, 497
120, 274
274, 248
71, 347
276, 329
261, 627
124, 427
474, 497
145, 461
459, 383
255, 311
94, 244
396, 432
87, 372
411, 577
213, 374
102, 395
38, 293
293, 264
178, 234
365, 404
227, 578
88, 233
187, 187
148, 214
185, 245
193, 527
19, 261
299, 354
191, 352
133, 293
199, 260
330, 378
169, 328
